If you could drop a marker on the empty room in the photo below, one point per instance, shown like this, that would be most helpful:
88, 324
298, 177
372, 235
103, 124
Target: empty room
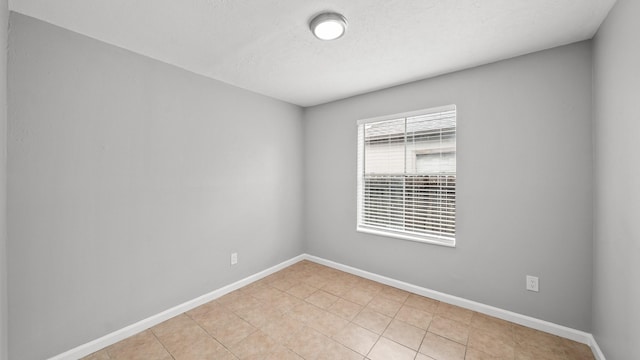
282, 179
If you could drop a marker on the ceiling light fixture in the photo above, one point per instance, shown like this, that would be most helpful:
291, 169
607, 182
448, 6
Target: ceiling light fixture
328, 26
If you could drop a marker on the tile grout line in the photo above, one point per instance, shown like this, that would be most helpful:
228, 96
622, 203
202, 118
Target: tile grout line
210, 335
386, 327
330, 332
161, 344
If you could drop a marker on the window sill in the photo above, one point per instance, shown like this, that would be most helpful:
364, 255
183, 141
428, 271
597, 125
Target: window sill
404, 236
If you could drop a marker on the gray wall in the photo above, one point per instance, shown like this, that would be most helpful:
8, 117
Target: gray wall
616, 314
130, 183
4, 17
524, 185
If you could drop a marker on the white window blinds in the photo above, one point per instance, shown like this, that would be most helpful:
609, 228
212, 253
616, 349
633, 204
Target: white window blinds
407, 175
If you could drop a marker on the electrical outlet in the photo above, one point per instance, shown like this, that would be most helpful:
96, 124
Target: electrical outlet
532, 283
234, 258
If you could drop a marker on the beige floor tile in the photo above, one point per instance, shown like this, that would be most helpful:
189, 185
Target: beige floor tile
372, 320
451, 329
357, 338
315, 280
349, 278
440, 348
337, 288
201, 351
197, 354
282, 284
524, 352
98, 355
185, 339
258, 344
259, 315
269, 279
337, 351
222, 354
329, 324
139, 347
345, 309
473, 354
576, 351
394, 294
358, 295
405, 334
284, 302
291, 274
230, 297
282, 353
205, 308
309, 311
242, 302
454, 313
483, 341
486, 322
423, 357
384, 306
527, 336
415, 317
494, 327
306, 313
267, 294
322, 299
547, 345
283, 328
308, 343
255, 287
229, 332
301, 291
217, 313
422, 303
386, 349
370, 286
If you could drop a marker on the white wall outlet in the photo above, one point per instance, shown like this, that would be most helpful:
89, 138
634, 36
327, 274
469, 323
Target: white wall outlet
234, 258
532, 283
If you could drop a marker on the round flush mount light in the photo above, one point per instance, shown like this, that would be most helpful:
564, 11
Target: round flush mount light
328, 26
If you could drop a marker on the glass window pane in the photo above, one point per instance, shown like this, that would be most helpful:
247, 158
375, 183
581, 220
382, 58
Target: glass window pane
384, 147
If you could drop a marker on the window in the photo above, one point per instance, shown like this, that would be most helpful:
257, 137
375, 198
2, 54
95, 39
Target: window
407, 176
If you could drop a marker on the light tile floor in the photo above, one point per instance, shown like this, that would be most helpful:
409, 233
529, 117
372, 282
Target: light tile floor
309, 311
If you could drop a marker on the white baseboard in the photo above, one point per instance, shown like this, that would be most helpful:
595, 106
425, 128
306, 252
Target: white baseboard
114, 337
599, 355
528, 321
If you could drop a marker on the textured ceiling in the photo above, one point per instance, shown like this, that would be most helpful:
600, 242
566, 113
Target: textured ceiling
266, 46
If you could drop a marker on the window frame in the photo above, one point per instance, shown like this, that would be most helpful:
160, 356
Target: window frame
387, 232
